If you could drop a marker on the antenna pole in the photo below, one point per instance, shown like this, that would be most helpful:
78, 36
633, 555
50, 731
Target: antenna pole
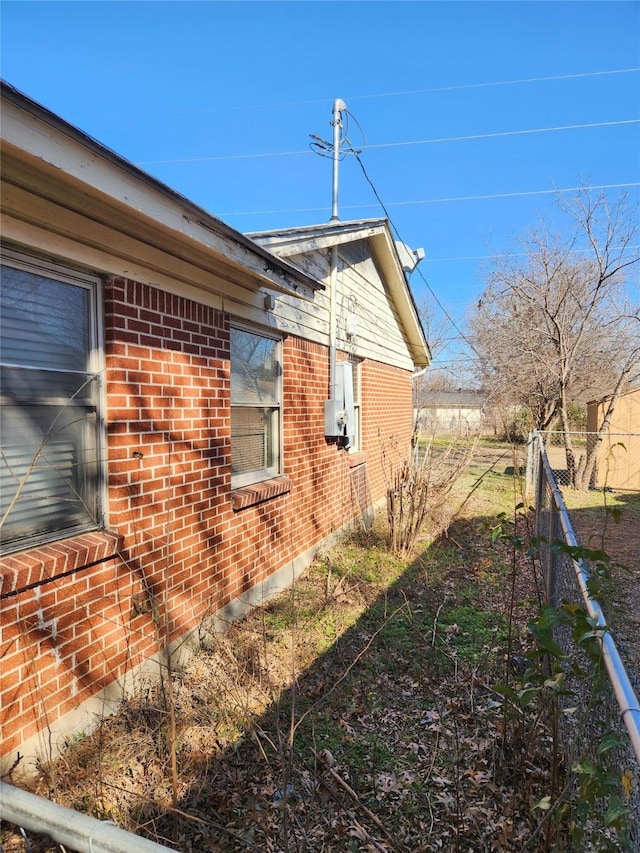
338, 106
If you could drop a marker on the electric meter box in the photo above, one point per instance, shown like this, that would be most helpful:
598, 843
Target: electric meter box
339, 414
335, 418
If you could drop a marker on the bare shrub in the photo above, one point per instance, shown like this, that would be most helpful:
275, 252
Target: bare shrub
419, 485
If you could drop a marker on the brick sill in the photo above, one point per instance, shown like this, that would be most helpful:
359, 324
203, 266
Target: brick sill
259, 492
358, 458
42, 563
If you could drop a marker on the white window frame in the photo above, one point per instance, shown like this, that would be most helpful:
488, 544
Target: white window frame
95, 365
356, 367
257, 475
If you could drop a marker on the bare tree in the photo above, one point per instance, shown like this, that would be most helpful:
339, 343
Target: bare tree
443, 338
437, 326
556, 325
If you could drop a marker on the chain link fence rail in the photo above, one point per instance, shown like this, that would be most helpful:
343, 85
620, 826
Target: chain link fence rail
617, 708
72, 832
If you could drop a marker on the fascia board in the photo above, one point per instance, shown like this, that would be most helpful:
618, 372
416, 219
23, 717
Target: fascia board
313, 238
36, 221
389, 262
55, 147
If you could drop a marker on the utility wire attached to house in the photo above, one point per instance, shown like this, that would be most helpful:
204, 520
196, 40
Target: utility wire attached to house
337, 151
356, 154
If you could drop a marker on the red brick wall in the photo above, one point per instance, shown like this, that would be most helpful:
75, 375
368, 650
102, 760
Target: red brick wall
76, 617
387, 419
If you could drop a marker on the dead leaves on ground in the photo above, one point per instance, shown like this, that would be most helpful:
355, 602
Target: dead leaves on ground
388, 741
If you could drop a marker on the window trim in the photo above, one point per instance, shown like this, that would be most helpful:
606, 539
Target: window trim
261, 475
49, 268
356, 372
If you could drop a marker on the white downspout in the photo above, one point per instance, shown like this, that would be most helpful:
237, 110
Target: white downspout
338, 106
333, 280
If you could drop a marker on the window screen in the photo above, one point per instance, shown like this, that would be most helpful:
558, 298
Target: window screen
49, 416
255, 406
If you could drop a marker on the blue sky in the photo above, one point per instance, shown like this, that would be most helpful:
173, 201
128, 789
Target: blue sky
472, 112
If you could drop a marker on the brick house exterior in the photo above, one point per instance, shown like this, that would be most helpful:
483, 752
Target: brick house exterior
178, 543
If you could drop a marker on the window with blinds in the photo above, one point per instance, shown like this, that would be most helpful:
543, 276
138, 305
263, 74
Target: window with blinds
256, 380
49, 391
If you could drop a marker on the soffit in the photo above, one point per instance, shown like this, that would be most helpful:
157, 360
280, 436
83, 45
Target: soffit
292, 241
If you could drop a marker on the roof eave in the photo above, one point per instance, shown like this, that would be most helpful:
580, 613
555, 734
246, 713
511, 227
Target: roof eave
53, 142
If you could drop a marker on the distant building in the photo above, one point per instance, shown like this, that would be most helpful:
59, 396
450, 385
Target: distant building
447, 412
618, 464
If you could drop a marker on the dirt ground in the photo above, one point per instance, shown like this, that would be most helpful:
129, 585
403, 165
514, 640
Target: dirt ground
353, 714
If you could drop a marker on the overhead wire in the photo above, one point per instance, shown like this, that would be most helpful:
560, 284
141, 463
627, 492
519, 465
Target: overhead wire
409, 92
512, 194
461, 86
402, 143
356, 154
500, 255
350, 148
505, 133
451, 199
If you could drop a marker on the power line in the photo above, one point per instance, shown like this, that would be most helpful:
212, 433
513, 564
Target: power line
426, 283
504, 133
393, 226
499, 255
225, 157
495, 83
431, 200
432, 89
505, 195
404, 143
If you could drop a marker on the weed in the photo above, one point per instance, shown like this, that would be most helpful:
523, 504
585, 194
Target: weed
551, 694
418, 489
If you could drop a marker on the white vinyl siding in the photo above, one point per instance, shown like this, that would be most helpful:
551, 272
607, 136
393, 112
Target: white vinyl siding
362, 299
50, 424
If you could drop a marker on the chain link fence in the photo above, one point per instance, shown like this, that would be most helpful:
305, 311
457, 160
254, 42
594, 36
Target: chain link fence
613, 707
615, 459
